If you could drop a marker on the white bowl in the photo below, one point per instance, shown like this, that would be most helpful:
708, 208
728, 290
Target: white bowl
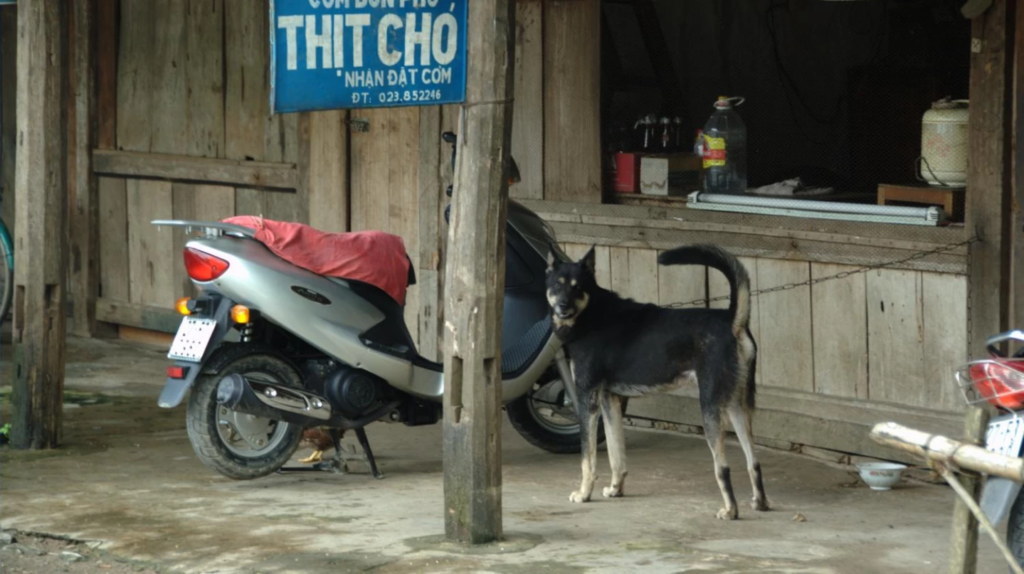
881, 475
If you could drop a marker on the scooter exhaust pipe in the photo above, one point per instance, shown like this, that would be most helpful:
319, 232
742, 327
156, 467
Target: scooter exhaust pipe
257, 398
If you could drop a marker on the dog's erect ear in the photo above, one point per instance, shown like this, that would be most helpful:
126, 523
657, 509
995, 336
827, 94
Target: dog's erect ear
589, 261
552, 261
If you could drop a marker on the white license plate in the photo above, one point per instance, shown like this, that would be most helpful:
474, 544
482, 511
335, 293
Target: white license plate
192, 338
1005, 435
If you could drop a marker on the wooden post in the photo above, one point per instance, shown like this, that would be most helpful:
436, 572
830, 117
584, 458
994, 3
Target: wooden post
1017, 234
41, 237
106, 32
84, 189
8, 115
963, 554
475, 281
988, 174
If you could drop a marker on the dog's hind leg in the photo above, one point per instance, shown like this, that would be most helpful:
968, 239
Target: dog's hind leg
611, 412
716, 440
587, 411
741, 422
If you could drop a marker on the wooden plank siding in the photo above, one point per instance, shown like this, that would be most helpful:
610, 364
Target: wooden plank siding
150, 249
896, 337
786, 347
572, 94
828, 345
184, 107
839, 322
186, 133
528, 116
385, 188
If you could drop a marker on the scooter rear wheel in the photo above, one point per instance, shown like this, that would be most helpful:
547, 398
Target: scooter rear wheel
545, 421
240, 446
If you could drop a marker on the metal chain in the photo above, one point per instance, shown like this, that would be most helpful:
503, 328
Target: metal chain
841, 275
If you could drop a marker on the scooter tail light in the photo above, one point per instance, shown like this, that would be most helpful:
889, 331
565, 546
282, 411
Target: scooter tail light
999, 382
202, 266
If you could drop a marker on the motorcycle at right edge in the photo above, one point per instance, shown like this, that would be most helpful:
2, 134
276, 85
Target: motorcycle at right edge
999, 381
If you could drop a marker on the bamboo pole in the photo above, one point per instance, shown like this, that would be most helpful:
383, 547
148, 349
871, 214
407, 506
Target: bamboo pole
971, 504
953, 453
963, 554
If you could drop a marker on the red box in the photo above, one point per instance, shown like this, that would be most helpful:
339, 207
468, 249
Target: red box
627, 172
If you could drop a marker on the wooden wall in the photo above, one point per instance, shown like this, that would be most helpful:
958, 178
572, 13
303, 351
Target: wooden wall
190, 82
184, 119
185, 133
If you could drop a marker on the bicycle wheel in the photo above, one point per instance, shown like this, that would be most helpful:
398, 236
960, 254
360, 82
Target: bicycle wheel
6, 271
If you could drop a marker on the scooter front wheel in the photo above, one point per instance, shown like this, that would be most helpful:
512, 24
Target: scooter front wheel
237, 445
546, 420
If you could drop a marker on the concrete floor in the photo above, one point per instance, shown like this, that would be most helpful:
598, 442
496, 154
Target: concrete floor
127, 478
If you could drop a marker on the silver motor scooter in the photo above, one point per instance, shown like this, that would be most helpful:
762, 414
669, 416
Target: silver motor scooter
269, 349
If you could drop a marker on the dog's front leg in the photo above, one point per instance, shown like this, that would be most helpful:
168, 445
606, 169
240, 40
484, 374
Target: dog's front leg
587, 411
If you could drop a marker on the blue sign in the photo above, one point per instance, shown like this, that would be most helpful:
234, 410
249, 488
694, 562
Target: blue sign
331, 54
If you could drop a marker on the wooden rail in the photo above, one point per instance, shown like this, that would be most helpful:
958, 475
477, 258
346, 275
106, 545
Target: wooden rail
846, 243
251, 174
152, 318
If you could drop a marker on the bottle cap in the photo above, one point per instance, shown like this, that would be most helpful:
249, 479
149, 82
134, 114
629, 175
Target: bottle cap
725, 102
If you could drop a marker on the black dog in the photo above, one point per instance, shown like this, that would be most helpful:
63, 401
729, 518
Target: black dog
619, 348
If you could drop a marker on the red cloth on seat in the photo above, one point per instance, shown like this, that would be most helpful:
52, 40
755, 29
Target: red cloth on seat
372, 257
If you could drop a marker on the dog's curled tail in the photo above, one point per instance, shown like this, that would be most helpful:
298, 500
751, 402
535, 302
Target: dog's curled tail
718, 258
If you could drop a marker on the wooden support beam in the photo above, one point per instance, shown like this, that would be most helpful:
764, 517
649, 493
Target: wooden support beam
8, 116
1017, 231
147, 317
83, 184
256, 174
106, 30
41, 243
963, 555
475, 281
988, 174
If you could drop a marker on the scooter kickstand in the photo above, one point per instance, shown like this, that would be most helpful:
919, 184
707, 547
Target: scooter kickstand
340, 464
363, 442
